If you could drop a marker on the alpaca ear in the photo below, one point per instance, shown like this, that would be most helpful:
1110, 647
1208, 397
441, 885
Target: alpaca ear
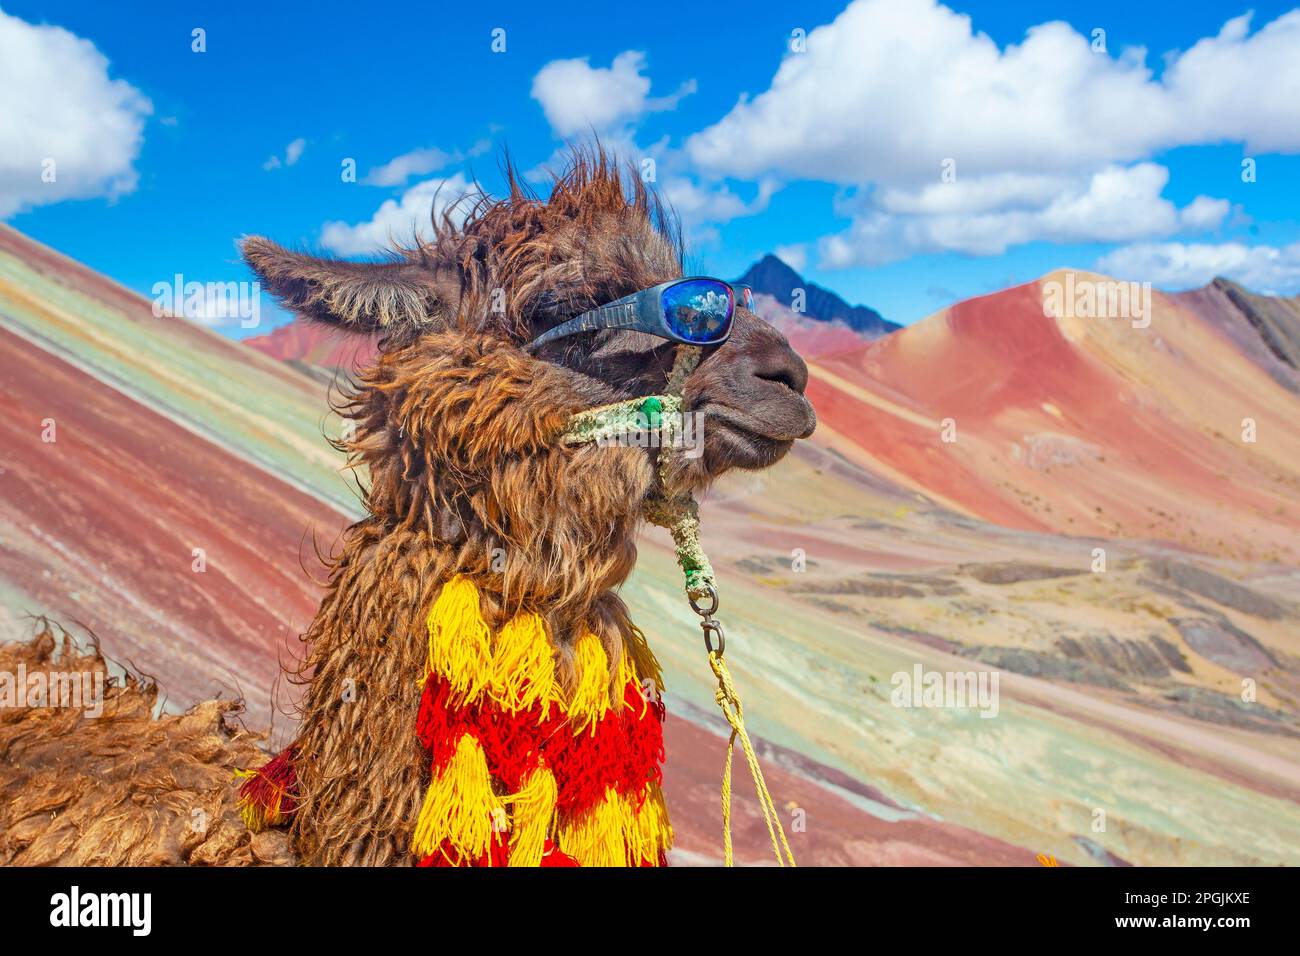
366, 297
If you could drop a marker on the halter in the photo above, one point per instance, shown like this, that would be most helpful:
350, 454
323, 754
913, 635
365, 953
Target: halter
680, 514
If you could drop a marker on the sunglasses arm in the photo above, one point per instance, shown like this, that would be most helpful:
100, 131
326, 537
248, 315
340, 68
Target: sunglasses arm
629, 312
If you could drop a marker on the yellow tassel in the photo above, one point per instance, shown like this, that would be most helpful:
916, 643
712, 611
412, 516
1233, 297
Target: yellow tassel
648, 832
459, 806
627, 674
257, 817
249, 811
534, 813
460, 645
523, 666
626, 670
591, 688
596, 838
644, 662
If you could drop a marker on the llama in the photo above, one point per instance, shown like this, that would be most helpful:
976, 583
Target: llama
474, 685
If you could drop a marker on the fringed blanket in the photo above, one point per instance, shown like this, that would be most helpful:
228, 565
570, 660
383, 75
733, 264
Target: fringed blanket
521, 773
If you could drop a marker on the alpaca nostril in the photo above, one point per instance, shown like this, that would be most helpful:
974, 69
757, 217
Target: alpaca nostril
781, 377
788, 370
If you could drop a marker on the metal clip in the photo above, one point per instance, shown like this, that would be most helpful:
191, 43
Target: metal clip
710, 626
714, 627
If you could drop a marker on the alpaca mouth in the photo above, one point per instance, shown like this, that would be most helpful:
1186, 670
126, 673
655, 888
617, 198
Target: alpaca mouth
794, 419
734, 438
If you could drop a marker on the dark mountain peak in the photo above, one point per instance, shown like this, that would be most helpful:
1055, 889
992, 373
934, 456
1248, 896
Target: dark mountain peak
773, 272
772, 276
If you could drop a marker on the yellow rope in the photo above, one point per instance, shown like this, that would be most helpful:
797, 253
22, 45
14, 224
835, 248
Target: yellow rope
729, 703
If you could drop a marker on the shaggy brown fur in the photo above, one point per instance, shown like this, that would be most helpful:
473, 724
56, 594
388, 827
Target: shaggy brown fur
457, 426
458, 434
122, 789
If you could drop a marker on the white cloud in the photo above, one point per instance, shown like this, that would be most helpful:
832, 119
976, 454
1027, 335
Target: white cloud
696, 203
577, 97
1240, 88
892, 88
795, 256
292, 153
1175, 265
60, 106
396, 220
418, 162
986, 216
1048, 138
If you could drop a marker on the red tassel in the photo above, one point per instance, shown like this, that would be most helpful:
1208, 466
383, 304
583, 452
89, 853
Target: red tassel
514, 742
645, 742
498, 855
622, 751
270, 794
552, 855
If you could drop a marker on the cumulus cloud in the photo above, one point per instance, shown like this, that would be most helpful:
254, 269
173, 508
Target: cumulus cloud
397, 220
1176, 265
578, 97
892, 88
703, 206
1047, 138
697, 203
1239, 87
292, 153
984, 218
420, 162
67, 131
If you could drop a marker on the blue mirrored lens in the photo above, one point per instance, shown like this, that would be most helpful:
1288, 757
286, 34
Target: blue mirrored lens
698, 310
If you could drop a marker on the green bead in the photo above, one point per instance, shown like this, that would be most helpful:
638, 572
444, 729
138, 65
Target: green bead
651, 406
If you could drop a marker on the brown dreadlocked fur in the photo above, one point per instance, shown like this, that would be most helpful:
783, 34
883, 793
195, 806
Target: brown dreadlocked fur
121, 788
457, 429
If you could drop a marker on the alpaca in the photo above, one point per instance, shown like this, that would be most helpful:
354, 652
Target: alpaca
475, 689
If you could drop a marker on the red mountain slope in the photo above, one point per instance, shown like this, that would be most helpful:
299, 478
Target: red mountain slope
1086, 426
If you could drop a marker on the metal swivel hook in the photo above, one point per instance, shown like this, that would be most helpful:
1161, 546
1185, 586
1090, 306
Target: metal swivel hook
711, 627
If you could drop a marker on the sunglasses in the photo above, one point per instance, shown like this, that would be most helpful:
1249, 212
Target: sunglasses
694, 311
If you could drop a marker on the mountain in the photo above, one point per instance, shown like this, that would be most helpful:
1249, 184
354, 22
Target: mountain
772, 277
129, 441
874, 550
314, 346
1185, 431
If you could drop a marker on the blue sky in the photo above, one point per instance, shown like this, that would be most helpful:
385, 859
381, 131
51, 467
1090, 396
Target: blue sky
1062, 154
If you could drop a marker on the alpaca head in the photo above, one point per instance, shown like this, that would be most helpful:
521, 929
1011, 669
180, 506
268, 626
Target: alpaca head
458, 422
